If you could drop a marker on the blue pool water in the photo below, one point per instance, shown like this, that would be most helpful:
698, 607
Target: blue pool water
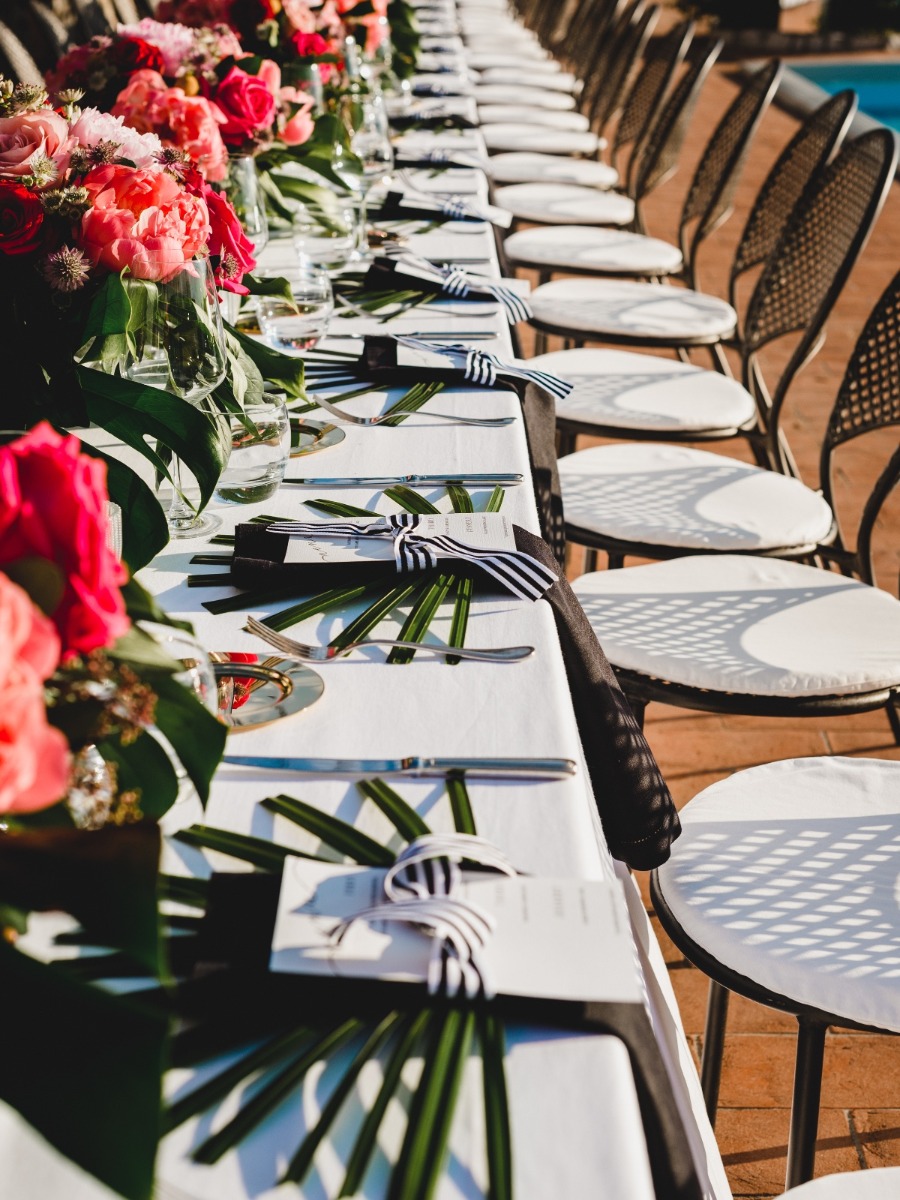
876, 83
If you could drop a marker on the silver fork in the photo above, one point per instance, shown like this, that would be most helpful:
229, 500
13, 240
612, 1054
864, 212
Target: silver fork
294, 649
488, 422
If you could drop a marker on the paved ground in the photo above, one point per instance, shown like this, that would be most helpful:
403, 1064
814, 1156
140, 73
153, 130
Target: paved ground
860, 1117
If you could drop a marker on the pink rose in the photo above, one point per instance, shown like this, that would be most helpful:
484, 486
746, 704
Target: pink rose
189, 122
299, 127
34, 757
248, 105
143, 220
229, 246
270, 73
53, 506
41, 133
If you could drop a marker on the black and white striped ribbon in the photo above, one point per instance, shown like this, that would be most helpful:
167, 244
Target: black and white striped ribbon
459, 283
483, 368
515, 571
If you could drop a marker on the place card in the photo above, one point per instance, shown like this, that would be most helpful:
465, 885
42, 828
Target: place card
557, 939
483, 531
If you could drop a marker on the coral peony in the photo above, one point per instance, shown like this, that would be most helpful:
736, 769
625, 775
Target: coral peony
53, 506
142, 220
34, 757
189, 122
248, 105
299, 127
27, 136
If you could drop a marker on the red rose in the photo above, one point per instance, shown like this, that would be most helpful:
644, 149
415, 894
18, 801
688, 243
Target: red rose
21, 218
248, 105
130, 54
310, 45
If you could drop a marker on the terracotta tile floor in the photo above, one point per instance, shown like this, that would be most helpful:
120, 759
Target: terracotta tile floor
859, 1124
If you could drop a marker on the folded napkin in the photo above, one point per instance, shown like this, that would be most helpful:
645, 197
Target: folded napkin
427, 206
233, 999
440, 158
398, 270
433, 119
636, 809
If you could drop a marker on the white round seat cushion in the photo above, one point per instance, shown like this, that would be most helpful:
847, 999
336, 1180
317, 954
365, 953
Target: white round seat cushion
669, 495
601, 251
525, 167
528, 97
498, 114
624, 390
500, 60
789, 874
646, 311
553, 81
878, 1183
564, 203
748, 625
521, 135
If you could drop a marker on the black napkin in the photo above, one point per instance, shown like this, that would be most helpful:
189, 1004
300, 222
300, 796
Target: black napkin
425, 121
388, 275
636, 809
393, 208
233, 999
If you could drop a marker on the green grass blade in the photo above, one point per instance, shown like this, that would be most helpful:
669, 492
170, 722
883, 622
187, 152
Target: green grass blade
423, 612
272, 1094
421, 1161
496, 1107
366, 621
184, 890
217, 1088
257, 851
302, 1160
461, 805
250, 599
319, 604
365, 1139
401, 815
461, 608
495, 500
460, 498
409, 500
334, 508
415, 398
337, 834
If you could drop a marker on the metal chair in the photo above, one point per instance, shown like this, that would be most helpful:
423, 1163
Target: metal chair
781, 888
640, 396
15, 60
879, 1183
52, 27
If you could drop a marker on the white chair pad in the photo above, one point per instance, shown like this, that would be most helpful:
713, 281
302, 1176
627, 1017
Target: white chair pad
651, 311
564, 203
529, 97
516, 135
748, 625
498, 60
788, 874
523, 167
499, 114
605, 251
625, 390
552, 81
878, 1183
666, 495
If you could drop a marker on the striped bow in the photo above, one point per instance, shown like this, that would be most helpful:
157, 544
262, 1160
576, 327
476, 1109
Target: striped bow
483, 368
455, 282
515, 571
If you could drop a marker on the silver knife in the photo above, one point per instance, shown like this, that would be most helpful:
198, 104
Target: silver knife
467, 335
485, 768
496, 479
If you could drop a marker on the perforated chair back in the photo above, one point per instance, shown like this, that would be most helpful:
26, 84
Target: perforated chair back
662, 58
708, 203
15, 60
622, 49
128, 11
662, 147
805, 273
95, 17
812, 145
56, 32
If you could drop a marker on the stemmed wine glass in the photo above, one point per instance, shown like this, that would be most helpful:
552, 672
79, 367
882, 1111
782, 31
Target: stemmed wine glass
366, 122
245, 194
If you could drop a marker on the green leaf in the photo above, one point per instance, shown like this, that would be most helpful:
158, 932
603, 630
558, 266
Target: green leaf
402, 816
183, 889
465, 589
272, 1094
302, 1160
463, 817
275, 367
40, 578
496, 1106
334, 508
417, 397
495, 500
130, 411
460, 498
269, 286
143, 767
217, 1088
423, 612
141, 605
106, 878
335, 833
260, 852
196, 736
365, 1139
107, 322
85, 1069
409, 500
366, 621
318, 604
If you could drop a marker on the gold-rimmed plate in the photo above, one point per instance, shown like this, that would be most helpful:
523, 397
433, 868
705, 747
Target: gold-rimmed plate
309, 437
257, 689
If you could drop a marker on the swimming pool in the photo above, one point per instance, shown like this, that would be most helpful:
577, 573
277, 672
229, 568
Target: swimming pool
876, 83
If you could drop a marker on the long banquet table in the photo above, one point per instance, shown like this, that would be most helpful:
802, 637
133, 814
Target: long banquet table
575, 1120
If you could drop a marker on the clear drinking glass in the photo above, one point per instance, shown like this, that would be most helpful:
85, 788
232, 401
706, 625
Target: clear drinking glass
260, 449
366, 121
329, 245
246, 198
297, 324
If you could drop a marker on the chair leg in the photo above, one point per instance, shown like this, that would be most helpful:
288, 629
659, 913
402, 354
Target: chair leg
638, 708
566, 440
713, 1046
893, 711
590, 560
615, 562
805, 1102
